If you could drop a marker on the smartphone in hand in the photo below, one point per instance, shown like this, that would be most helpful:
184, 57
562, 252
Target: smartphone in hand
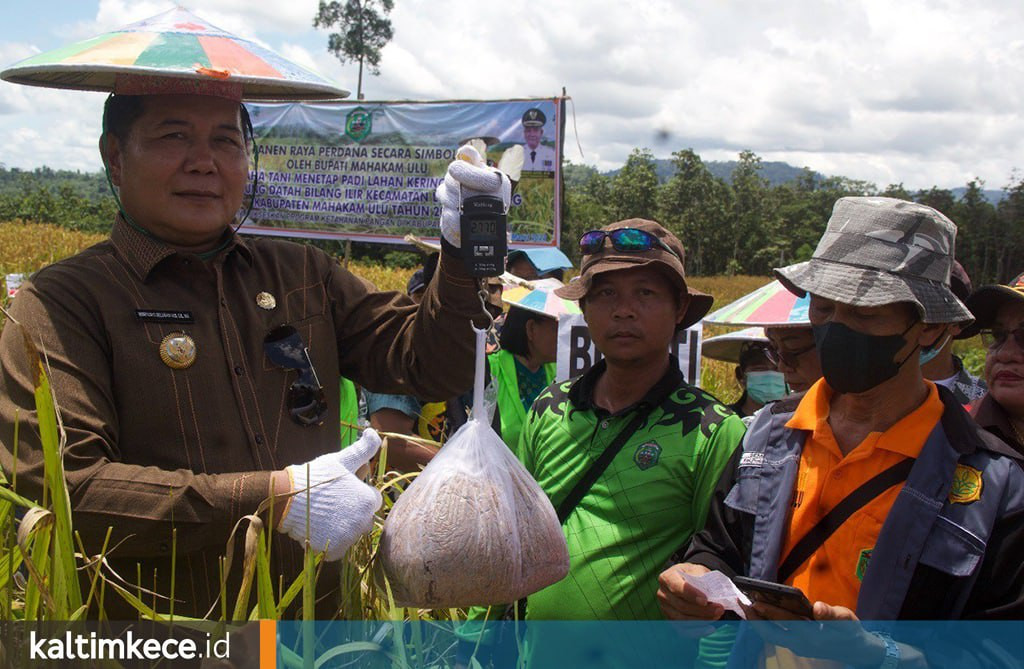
783, 596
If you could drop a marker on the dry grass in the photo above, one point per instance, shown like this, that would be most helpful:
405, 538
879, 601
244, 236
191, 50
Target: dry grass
28, 247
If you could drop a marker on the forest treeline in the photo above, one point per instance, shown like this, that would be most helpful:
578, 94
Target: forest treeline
747, 226
740, 225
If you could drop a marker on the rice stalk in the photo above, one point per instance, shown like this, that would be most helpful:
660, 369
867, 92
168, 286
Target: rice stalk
65, 586
266, 607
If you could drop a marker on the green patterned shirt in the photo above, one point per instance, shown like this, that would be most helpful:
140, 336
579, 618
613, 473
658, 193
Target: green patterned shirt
648, 503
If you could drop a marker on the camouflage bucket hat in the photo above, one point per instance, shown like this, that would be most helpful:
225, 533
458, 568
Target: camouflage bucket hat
985, 302
879, 250
669, 262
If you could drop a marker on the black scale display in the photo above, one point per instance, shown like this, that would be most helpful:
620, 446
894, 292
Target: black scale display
484, 222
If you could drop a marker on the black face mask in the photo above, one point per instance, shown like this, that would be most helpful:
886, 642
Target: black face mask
853, 362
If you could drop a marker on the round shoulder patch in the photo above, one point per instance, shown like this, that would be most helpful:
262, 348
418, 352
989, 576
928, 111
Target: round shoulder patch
966, 487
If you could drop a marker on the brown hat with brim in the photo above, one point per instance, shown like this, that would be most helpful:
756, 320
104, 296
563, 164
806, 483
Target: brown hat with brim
608, 259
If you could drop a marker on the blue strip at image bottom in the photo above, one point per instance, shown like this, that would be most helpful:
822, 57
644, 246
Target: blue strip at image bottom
595, 645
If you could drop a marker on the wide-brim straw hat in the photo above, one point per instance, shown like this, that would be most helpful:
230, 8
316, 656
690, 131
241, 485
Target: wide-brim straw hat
728, 347
173, 52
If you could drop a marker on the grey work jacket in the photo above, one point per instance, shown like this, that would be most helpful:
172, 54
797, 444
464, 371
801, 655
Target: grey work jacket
922, 530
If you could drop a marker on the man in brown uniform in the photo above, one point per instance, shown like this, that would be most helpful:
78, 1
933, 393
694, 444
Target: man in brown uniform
192, 366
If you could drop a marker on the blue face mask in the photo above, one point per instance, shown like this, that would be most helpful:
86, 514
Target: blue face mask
929, 355
764, 387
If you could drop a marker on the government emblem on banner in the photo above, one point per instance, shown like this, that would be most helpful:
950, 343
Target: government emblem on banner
966, 486
358, 124
647, 455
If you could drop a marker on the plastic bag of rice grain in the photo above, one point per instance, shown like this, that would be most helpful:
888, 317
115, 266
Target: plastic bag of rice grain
474, 528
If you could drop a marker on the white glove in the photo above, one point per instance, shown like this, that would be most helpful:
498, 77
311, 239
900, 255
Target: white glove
340, 506
468, 175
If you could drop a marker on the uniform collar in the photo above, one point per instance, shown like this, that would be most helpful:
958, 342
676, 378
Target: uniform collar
581, 393
990, 415
143, 253
903, 437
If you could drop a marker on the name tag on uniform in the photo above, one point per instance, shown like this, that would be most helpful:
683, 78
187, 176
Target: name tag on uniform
155, 316
752, 460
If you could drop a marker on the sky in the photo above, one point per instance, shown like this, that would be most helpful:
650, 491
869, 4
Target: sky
923, 93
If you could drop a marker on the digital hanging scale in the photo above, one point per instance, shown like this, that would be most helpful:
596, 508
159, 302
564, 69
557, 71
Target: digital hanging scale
484, 222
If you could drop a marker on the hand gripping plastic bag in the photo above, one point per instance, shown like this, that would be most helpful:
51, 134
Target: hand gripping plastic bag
473, 528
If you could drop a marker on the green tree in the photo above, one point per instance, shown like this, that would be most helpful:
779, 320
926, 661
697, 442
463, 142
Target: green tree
804, 207
363, 30
634, 191
1008, 235
975, 240
693, 204
897, 191
936, 198
757, 238
587, 193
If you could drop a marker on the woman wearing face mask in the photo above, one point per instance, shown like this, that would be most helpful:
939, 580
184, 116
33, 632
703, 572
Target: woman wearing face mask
756, 374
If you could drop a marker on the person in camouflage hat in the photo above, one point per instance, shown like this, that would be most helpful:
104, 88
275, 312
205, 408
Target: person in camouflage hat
853, 484
878, 251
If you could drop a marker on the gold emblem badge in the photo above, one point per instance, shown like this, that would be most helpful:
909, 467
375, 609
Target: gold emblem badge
178, 350
266, 301
966, 486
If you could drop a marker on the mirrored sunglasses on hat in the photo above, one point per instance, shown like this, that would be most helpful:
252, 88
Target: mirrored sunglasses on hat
625, 240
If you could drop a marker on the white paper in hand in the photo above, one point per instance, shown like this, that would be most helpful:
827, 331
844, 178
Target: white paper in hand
719, 589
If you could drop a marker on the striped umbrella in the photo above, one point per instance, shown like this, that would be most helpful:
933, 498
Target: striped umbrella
538, 296
176, 44
770, 305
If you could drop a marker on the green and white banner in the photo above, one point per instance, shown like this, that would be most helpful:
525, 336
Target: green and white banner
367, 171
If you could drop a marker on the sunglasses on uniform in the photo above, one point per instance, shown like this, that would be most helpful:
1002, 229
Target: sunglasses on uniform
626, 240
994, 338
307, 402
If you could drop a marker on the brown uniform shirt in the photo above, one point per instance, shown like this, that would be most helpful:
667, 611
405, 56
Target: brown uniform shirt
151, 448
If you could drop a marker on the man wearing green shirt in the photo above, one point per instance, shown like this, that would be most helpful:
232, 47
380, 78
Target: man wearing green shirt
655, 492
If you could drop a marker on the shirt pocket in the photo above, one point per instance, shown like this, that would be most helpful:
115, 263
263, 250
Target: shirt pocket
952, 549
745, 491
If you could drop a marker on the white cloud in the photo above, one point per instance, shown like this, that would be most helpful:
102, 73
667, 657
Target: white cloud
921, 92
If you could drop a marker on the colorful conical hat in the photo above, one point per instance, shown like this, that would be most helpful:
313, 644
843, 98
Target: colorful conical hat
727, 347
768, 306
537, 295
176, 44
